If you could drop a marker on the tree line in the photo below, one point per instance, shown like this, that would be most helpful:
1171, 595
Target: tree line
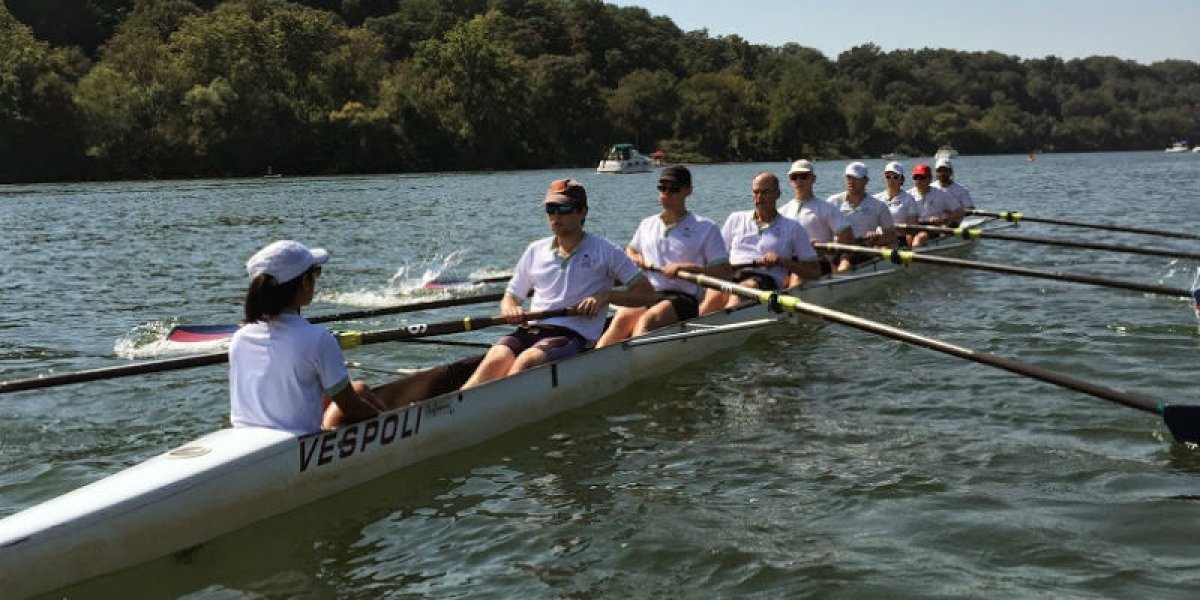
117, 89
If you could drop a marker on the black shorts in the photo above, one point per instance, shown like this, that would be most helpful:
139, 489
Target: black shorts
764, 281
686, 306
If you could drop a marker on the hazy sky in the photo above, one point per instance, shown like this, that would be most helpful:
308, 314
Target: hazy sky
1145, 31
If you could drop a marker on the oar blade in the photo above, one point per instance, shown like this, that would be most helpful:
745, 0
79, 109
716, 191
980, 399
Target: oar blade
1184, 422
201, 333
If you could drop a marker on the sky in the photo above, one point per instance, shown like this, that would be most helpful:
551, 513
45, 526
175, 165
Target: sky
1145, 31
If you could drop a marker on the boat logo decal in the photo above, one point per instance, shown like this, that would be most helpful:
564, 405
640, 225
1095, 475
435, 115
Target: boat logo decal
189, 452
434, 408
327, 447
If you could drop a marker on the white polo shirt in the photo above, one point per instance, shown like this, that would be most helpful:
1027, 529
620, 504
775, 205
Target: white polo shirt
936, 203
822, 220
693, 240
278, 371
558, 282
902, 206
960, 194
869, 215
748, 242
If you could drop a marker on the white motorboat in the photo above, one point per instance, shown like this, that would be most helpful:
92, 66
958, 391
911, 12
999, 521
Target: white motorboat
1177, 147
624, 158
231, 478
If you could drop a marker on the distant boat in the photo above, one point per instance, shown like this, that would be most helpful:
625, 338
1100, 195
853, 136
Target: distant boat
1196, 149
1180, 146
271, 174
947, 152
893, 156
624, 158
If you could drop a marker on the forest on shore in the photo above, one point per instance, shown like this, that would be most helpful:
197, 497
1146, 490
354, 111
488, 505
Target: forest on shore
133, 89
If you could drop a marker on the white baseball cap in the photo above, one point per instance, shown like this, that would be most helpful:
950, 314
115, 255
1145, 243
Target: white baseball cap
856, 170
285, 260
801, 166
943, 162
894, 167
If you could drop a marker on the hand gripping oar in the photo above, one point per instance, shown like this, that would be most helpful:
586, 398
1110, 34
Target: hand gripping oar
208, 333
1182, 420
1016, 217
346, 339
970, 234
908, 256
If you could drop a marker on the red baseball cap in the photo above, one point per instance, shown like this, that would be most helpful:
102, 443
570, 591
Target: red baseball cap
922, 169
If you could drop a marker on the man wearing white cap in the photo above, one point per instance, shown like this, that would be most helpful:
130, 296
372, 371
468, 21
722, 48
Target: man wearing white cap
823, 222
899, 202
569, 269
945, 182
870, 220
281, 367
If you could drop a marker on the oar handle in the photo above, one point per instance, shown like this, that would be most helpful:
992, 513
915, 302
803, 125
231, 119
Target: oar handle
347, 340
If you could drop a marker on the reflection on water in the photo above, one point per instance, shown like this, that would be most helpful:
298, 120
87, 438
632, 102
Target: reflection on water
813, 461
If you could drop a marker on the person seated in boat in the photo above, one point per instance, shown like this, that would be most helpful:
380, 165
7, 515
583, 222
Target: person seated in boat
934, 206
673, 240
569, 269
870, 220
823, 222
777, 249
899, 202
284, 372
944, 171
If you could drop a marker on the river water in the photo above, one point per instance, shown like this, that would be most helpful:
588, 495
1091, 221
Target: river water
816, 461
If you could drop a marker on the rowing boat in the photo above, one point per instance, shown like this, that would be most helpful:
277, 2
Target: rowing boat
231, 478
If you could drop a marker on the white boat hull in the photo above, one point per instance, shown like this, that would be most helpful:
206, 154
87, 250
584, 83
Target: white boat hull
231, 478
638, 164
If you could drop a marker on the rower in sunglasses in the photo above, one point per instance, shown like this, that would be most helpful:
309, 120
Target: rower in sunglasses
934, 206
822, 221
569, 269
672, 240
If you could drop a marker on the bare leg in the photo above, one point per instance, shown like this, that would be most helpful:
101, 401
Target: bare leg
659, 315
622, 325
496, 364
713, 301
736, 300
528, 359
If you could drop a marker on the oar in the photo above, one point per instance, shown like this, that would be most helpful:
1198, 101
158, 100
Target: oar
1015, 217
908, 256
347, 340
209, 333
968, 234
1182, 420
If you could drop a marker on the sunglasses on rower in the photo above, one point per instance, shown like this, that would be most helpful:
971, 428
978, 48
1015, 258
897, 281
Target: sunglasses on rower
920, 177
669, 189
562, 209
799, 176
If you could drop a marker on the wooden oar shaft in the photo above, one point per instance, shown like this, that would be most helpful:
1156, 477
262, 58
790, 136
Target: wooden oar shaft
348, 340
796, 305
908, 256
403, 308
969, 234
1015, 217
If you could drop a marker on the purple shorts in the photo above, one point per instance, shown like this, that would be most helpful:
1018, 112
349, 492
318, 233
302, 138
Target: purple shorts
554, 341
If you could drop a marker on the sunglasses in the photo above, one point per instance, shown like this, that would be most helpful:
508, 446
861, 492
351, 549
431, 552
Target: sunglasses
669, 189
893, 176
562, 209
920, 177
799, 176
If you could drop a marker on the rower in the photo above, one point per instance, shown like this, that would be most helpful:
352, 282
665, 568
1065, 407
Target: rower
569, 269
899, 202
822, 222
669, 241
284, 372
934, 206
944, 171
870, 220
774, 245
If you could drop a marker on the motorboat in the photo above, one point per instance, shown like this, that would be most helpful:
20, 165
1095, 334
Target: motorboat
1177, 147
946, 152
624, 158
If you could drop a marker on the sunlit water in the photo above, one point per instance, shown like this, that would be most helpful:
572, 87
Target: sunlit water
814, 461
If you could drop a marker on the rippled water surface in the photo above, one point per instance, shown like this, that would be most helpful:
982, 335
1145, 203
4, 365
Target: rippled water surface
816, 461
